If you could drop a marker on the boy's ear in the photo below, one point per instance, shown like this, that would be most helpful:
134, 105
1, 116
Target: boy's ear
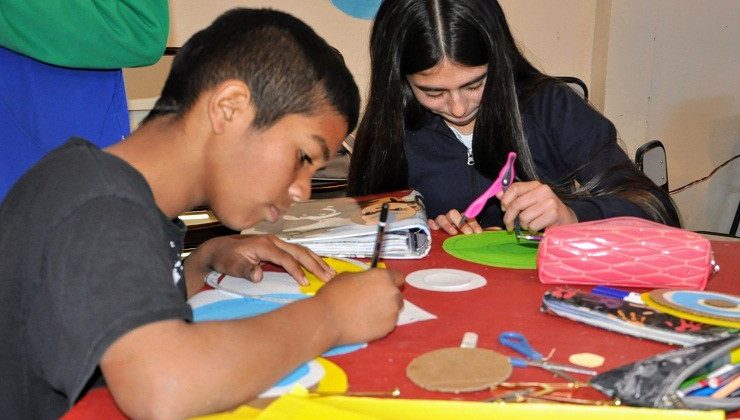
230, 106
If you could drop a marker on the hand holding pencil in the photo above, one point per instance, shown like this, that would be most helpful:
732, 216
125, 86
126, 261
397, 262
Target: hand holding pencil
379, 238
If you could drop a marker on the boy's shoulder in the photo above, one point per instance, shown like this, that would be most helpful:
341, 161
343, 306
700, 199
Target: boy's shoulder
77, 160
76, 173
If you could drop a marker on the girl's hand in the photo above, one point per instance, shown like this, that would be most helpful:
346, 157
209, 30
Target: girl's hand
448, 222
536, 205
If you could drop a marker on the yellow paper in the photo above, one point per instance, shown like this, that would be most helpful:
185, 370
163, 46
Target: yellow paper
357, 408
334, 381
339, 265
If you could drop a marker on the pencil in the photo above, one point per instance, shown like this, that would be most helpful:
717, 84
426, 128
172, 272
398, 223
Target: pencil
728, 389
379, 237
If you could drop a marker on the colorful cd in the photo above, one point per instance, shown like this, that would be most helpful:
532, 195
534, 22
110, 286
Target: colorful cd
498, 249
702, 306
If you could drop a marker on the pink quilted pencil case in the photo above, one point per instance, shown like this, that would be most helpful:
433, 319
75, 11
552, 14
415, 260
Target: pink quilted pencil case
625, 251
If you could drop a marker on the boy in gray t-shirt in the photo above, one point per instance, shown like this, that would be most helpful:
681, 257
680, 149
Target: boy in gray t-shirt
93, 289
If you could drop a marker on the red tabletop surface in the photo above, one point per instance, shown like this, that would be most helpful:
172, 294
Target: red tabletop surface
510, 301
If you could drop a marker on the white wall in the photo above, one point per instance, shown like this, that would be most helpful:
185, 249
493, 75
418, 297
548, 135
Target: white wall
556, 35
666, 69
560, 46
673, 73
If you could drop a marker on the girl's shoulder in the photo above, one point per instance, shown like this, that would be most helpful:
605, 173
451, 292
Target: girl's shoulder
555, 94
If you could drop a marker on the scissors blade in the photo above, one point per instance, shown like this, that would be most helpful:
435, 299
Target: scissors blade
517, 229
462, 221
562, 367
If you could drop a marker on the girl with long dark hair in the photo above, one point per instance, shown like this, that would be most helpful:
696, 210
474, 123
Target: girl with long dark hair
451, 95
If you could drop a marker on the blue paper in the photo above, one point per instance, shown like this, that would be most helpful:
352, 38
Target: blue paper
247, 307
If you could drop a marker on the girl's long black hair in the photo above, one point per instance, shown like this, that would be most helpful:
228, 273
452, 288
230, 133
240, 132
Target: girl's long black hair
410, 36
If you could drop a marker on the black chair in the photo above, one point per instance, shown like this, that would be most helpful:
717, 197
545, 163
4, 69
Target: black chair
650, 158
576, 84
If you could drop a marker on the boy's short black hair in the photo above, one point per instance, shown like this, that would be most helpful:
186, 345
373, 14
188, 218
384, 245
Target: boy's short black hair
287, 66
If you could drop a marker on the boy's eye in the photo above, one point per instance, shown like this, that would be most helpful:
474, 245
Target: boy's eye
305, 158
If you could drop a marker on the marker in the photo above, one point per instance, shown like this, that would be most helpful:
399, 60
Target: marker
628, 296
379, 236
701, 392
722, 375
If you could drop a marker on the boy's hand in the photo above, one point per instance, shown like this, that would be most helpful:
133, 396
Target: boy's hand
242, 256
363, 306
448, 222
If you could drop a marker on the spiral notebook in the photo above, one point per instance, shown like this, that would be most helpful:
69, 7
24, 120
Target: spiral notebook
347, 227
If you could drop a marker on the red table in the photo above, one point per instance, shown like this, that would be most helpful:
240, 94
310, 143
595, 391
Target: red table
509, 302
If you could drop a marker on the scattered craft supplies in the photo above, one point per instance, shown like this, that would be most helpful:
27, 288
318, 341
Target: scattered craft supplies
347, 227
625, 251
629, 318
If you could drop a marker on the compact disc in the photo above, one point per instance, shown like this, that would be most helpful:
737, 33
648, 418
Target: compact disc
445, 280
702, 303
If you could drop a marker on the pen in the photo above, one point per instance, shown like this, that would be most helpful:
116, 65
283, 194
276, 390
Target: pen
610, 291
379, 237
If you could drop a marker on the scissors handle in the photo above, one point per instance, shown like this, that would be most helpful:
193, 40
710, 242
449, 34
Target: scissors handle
505, 177
517, 362
518, 342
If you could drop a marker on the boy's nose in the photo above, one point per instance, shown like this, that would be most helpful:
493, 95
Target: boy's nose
300, 190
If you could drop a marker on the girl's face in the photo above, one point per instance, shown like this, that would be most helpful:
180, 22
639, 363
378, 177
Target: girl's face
452, 91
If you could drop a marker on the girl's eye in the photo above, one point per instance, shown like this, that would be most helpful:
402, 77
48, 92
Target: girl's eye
434, 94
475, 87
305, 158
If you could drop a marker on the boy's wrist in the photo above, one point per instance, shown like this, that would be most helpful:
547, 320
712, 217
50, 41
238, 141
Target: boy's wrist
330, 324
197, 267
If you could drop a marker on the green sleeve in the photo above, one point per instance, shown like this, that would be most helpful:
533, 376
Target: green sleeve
95, 34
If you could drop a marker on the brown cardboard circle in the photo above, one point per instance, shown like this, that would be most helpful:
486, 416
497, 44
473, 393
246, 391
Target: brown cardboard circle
458, 369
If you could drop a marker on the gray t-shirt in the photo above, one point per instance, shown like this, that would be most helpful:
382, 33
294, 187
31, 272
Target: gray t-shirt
85, 257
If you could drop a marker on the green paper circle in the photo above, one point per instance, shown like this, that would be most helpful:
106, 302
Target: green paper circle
497, 249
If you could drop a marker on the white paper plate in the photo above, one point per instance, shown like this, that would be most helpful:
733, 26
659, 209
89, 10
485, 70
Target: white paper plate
445, 280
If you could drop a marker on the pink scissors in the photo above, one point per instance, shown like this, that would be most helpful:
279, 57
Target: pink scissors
504, 180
